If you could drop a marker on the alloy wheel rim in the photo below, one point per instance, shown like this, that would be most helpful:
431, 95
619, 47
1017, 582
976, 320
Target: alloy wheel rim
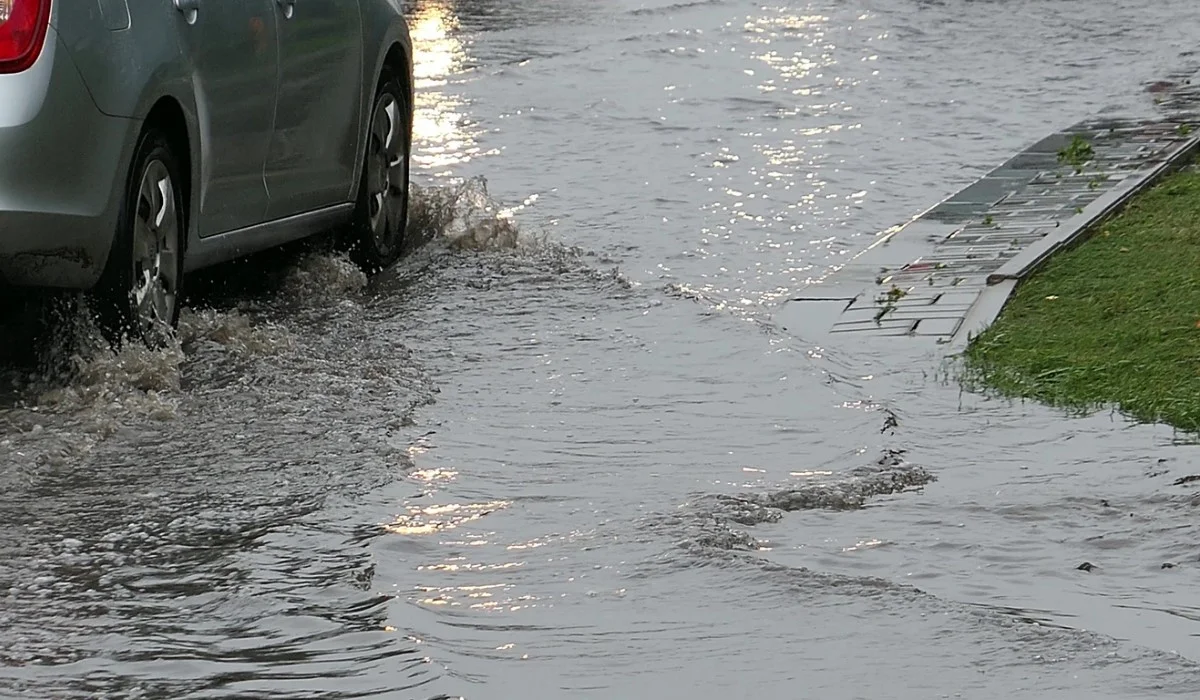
155, 251
387, 172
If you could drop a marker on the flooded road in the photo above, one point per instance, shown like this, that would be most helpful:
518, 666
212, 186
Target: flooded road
565, 449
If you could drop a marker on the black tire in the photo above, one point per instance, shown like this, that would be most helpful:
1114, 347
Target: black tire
376, 236
139, 293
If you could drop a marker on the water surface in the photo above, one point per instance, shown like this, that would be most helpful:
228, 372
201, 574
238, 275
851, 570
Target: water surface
565, 449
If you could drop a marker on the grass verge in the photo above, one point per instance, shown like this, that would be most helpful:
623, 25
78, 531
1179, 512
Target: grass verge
1114, 321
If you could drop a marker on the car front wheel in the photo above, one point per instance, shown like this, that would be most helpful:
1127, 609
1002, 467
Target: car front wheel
377, 234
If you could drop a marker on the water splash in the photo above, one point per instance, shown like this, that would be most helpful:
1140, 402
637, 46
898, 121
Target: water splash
323, 277
67, 390
234, 331
716, 524
465, 217
851, 490
848, 493
72, 367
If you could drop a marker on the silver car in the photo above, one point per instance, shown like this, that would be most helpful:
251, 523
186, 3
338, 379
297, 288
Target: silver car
143, 139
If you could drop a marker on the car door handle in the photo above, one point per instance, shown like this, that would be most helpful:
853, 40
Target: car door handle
287, 6
188, 8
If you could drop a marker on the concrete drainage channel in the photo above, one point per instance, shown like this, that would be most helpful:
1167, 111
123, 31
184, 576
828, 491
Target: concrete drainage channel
946, 275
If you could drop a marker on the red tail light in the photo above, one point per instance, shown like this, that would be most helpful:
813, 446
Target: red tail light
22, 33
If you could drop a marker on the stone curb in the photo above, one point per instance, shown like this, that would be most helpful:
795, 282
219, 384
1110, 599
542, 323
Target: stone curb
1005, 280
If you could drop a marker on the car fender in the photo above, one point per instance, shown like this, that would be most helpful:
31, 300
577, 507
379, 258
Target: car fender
128, 72
384, 26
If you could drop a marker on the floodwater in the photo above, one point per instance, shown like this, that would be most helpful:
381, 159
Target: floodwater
564, 449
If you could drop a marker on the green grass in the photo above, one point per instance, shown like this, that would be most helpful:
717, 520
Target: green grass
1114, 321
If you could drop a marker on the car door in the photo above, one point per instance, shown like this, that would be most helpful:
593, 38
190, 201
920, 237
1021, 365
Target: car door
310, 163
234, 53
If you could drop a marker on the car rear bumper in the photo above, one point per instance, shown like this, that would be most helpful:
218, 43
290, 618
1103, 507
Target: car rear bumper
61, 175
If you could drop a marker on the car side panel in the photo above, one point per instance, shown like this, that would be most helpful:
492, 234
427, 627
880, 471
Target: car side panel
127, 74
383, 27
220, 69
127, 71
312, 155
232, 53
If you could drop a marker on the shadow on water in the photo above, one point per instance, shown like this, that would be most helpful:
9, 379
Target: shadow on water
24, 323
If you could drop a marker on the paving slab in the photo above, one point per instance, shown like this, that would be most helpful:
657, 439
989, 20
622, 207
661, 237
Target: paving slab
945, 275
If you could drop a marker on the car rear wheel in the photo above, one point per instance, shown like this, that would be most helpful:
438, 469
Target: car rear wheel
377, 234
138, 295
